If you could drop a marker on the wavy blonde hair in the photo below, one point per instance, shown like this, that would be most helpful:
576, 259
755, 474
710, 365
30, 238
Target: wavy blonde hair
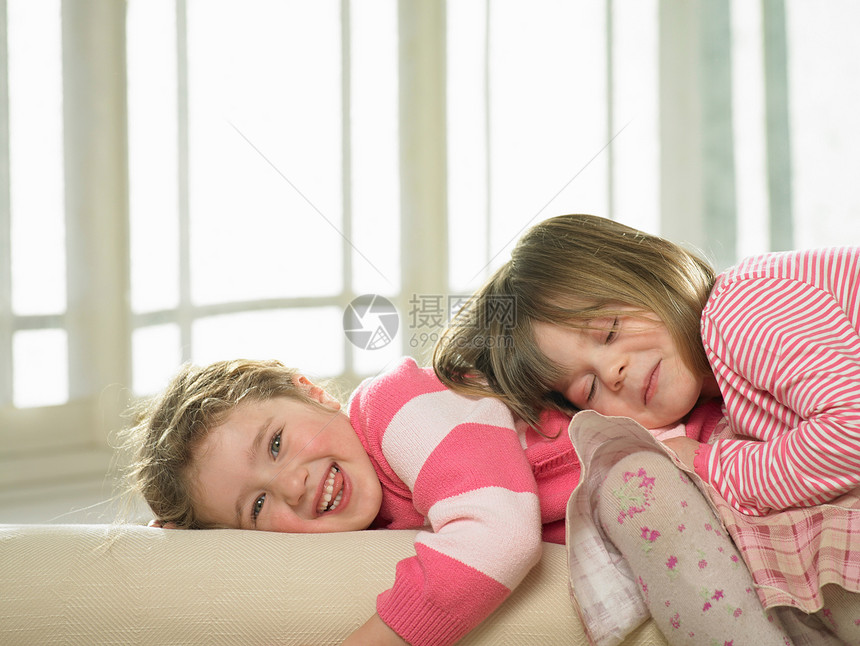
168, 428
568, 270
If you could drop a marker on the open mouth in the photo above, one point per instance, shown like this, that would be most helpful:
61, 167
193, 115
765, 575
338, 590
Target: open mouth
332, 492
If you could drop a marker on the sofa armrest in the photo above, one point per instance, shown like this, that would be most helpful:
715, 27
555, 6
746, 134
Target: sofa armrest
100, 584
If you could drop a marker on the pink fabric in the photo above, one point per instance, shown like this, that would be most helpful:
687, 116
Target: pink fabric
782, 333
677, 430
705, 421
485, 489
423, 615
792, 554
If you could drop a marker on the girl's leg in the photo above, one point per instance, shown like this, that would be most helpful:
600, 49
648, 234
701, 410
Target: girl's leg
805, 629
841, 613
691, 576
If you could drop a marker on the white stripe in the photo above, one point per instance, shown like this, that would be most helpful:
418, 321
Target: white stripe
424, 421
494, 530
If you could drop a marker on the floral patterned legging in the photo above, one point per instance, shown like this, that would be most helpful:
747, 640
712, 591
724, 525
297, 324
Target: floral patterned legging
690, 574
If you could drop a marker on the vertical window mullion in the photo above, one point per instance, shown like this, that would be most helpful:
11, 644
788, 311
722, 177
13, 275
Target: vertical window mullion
346, 176
96, 202
77, 209
718, 154
610, 109
184, 313
680, 123
778, 125
6, 322
423, 181
488, 138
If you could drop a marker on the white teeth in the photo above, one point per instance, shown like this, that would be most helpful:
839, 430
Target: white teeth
328, 489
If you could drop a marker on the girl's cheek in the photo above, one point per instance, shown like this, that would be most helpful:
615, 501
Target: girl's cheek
285, 522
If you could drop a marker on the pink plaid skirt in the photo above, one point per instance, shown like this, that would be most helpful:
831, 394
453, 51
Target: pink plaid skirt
792, 554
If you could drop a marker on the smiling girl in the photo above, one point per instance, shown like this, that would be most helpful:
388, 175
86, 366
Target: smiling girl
255, 445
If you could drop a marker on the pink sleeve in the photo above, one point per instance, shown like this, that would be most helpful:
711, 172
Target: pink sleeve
700, 462
471, 480
788, 359
702, 422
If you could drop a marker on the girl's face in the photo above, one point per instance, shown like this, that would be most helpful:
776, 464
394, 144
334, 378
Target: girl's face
284, 465
624, 366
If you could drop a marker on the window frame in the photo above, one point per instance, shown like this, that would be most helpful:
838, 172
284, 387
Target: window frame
48, 444
69, 441
72, 441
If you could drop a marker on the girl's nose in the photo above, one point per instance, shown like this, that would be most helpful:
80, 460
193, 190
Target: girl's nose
291, 484
615, 372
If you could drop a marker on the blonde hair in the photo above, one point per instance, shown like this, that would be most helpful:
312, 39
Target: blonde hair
169, 427
568, 270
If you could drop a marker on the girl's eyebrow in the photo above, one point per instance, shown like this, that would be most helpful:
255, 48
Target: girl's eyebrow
254, 449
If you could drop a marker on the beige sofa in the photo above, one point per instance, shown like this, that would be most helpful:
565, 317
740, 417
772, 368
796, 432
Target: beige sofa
127, 584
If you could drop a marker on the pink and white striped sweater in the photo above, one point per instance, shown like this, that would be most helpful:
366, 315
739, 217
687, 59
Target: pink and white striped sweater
782, 334
483, 489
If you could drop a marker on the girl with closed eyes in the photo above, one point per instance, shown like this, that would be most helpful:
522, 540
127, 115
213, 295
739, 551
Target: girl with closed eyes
630, 325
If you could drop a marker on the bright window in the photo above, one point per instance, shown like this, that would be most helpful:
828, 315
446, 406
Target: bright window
189, 180
36, 203
547, 115
264, 190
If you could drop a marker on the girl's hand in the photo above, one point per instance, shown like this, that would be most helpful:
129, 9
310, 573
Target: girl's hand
157, 523
376, 632
684, 448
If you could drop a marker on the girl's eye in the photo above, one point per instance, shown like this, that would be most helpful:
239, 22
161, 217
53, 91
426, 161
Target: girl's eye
258, 507
613, 331
275, 446
592, 390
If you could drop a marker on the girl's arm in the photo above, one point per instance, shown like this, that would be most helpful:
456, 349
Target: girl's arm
374, 631
470, 481
788, 359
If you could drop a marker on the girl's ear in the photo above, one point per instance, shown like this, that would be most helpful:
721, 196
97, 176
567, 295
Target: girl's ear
315, 392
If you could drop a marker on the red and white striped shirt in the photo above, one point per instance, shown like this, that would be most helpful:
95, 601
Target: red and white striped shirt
782, 334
